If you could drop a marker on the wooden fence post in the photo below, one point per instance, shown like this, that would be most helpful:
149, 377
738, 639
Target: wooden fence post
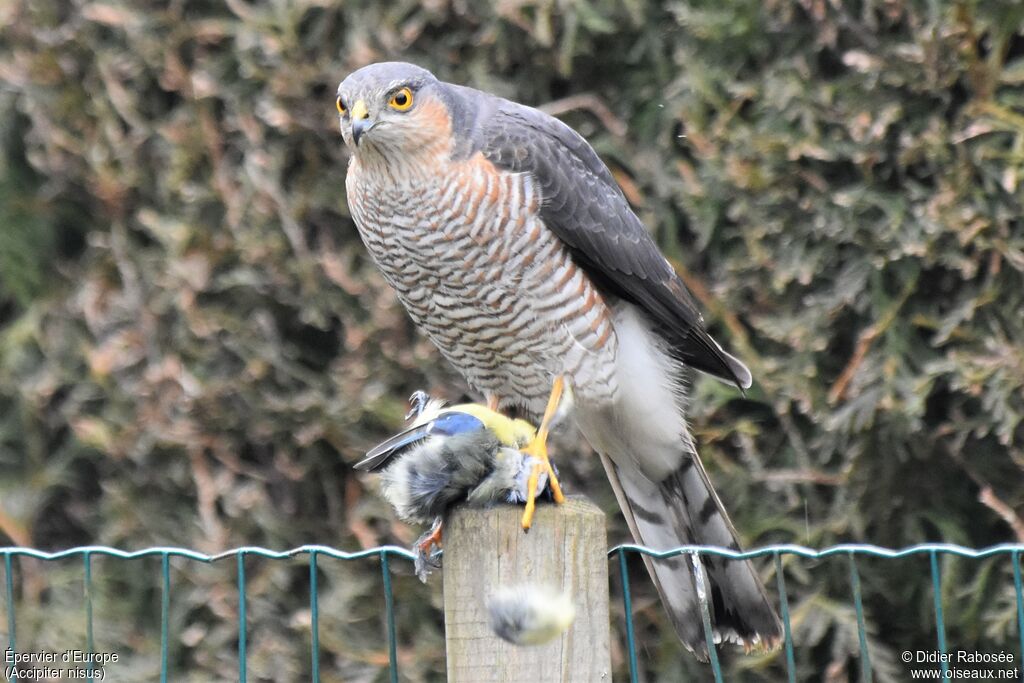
567, 549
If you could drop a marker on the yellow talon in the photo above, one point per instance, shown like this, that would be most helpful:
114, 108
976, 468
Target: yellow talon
538, 449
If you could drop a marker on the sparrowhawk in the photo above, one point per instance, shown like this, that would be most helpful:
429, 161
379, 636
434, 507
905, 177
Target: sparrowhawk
513, 249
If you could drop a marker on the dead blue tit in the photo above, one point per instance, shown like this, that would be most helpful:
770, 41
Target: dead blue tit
450, 455
530, 614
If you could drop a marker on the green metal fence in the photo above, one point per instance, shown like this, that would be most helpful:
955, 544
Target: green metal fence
851, 552
385, 553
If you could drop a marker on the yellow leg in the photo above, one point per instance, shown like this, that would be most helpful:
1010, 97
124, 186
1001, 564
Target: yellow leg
492, 402
538, 448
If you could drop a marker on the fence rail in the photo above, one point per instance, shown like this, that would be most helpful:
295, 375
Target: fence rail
383, 553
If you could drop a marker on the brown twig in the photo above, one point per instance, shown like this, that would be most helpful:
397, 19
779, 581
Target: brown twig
708, 302
207, 495
629, 188
864, 341
805, 476
591, 103
14, 530
989, 499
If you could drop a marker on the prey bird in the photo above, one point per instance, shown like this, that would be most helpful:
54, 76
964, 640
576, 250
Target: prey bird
449, 455
512, 248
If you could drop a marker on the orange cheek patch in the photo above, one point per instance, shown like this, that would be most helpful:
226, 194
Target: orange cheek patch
433, 118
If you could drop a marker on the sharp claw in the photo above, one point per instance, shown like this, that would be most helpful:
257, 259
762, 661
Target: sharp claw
531, 496
538, 449
540, 452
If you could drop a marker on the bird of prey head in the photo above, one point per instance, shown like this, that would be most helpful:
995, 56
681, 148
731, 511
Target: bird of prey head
391, 107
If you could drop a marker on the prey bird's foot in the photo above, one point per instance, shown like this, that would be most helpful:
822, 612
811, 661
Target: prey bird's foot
424, 565
417, 402
428, 551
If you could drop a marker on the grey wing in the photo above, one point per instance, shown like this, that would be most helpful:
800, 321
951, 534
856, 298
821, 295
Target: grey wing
381, 454
584, 206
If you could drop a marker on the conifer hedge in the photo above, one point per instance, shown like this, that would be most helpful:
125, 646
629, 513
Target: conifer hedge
194, 346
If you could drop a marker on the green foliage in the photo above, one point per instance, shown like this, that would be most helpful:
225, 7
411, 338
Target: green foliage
26, 241
840, 183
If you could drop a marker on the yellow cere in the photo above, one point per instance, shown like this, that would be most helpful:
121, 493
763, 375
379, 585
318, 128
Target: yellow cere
401, 100
359, 110
510, 432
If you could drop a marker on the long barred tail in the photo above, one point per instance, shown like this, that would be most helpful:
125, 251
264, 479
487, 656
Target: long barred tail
684, 509
665, 493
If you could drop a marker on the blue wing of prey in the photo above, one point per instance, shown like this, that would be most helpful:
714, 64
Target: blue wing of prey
446, 424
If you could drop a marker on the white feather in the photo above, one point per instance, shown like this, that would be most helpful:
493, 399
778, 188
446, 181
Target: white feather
646, 422
530, 614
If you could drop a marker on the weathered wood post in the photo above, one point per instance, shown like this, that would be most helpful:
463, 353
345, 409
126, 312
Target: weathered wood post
567, 549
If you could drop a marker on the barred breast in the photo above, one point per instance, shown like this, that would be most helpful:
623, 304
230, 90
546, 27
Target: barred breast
489, 284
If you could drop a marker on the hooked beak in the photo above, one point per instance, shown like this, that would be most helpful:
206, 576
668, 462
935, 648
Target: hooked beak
360, 120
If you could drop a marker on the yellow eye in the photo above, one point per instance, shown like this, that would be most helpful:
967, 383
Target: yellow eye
341, 106
401, 100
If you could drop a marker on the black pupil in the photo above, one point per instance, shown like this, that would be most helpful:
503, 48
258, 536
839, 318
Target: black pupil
401, 98
341, 105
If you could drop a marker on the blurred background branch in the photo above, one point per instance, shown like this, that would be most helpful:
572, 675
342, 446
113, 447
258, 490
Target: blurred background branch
194, 346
